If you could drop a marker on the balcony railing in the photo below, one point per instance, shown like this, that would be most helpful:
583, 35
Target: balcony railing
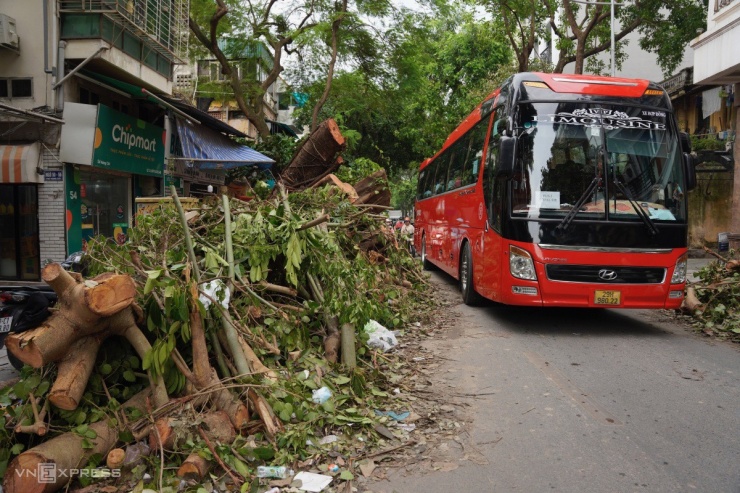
163, 22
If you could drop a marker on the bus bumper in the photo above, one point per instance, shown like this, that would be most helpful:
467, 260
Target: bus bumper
565, 294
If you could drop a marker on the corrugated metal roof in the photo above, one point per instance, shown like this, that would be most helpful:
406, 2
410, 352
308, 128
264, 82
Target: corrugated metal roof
210, 150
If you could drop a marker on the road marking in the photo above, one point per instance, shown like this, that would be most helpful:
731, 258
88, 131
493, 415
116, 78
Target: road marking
581, 398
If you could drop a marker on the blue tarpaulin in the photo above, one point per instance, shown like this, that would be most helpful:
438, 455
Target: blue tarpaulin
209, 149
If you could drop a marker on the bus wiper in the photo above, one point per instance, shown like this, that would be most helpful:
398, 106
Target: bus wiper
565, 223
639, 210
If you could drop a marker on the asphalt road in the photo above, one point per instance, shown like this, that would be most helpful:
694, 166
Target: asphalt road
585, 401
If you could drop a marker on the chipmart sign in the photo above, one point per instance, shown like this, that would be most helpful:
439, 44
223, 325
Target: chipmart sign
121, 134
125, 143
99, 136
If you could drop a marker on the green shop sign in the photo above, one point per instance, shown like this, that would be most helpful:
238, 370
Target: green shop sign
125, 143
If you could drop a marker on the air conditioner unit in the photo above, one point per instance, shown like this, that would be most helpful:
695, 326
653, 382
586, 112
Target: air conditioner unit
8, 33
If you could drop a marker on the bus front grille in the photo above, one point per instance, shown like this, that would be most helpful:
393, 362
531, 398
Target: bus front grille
601, 274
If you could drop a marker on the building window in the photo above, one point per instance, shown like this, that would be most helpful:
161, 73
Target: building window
16, 88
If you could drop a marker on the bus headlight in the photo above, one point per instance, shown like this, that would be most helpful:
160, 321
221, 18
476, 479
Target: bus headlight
679, 273
521, 265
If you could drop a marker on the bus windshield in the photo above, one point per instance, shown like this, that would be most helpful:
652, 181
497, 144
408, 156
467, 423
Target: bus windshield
606, 162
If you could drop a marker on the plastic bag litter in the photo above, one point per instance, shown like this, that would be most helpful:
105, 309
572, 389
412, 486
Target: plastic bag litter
380, 337
215, 290
321, 395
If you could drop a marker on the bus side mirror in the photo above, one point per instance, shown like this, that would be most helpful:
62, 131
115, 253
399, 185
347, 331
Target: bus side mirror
689, 171
685, 142
506, 155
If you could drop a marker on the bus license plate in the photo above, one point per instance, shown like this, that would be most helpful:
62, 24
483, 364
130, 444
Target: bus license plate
5, 324
607, 297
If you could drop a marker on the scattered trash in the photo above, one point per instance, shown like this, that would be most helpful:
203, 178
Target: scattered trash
332, 468
273, 490
279, 472
214, 291
321, 395
312, 482
380, 337
328, 439
407, 427
393, 415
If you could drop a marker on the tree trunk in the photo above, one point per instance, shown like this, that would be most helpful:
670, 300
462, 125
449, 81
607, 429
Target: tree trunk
194, 467
317, 154
374, 190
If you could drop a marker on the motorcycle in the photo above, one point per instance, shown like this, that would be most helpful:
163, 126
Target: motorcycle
25, 307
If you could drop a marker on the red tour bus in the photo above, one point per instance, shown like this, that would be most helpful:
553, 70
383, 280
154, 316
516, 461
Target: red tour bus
561, 190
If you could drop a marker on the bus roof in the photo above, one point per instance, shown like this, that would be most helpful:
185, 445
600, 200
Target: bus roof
561, 83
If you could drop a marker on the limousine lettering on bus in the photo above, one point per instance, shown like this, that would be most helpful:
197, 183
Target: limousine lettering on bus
597, 117
466, 192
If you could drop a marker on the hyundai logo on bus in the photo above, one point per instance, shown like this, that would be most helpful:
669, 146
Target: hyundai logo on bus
607, 275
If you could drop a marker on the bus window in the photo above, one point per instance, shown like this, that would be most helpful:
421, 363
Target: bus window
440, 175
457, 163
475, 153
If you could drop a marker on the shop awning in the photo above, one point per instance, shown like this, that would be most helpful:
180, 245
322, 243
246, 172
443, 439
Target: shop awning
18, 163
160, 100
211, 150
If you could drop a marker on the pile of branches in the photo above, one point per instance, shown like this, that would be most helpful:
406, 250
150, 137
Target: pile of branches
208, 344
714, 301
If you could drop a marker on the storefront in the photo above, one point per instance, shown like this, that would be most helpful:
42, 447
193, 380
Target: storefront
110, 159
19, 223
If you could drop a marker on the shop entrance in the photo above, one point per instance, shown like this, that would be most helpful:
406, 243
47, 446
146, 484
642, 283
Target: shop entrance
105, 205
19, 233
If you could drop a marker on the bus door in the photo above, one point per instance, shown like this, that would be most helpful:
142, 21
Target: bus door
493, 256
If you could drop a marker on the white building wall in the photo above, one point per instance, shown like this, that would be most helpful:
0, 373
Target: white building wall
52, 212
30, 63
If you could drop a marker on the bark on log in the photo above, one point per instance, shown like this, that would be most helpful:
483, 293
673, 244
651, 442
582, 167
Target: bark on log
346, 188
272, 423
63, 454
374, 190
315, 157
349, 358
89, 312
691, 303
194, 467
218, 426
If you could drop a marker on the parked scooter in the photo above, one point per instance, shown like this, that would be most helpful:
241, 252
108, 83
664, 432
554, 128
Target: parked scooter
25, 307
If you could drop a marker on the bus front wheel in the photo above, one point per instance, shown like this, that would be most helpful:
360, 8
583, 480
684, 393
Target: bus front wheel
469, 296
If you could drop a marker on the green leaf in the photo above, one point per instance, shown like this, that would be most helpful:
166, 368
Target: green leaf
341, 380
264, 453
154, 274
17, 448
347, 476
149, 286
129, 376
105, 369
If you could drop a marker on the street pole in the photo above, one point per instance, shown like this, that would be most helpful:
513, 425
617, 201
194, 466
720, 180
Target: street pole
614, 72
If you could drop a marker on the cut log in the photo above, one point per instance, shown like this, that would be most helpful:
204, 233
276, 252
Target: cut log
163, 427
374, 190
194, 467
332, 180
74, 371
89, 312
61, 455
115, 458
691, 303
316, 157
217, 425
272, 423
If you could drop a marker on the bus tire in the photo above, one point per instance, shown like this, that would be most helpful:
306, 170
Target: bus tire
469, 296
425, 263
